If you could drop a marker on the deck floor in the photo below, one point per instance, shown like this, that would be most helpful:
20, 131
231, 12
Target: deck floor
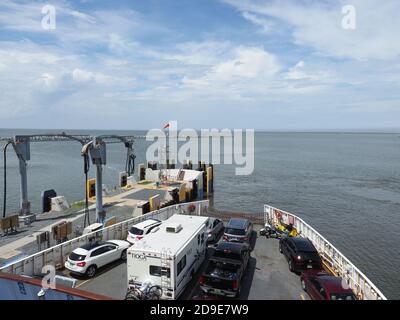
267, 277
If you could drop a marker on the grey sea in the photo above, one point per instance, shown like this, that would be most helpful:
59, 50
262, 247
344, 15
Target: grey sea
346, 185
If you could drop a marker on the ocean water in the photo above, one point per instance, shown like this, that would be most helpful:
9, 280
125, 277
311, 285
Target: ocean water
346, 185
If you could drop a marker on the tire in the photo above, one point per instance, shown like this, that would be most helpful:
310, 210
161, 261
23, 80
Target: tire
123, 255
154, 293
133, 294
91, 271
237, 296
290, 263
303, 285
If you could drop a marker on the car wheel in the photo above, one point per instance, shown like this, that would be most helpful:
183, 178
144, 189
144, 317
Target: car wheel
91, 271
237, 294
303, 285
123, 255
290, 265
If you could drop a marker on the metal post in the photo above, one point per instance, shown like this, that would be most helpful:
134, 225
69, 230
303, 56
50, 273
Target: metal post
97, 150
100, 213
21, 145
24, 203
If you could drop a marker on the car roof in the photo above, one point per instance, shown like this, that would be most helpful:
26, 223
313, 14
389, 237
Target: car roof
303, 244
237, 223
91, 245
146, 223
231, 246
80, 251
333, 284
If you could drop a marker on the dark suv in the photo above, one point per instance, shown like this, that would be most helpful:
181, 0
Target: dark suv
225, 270
300, 254
238, 230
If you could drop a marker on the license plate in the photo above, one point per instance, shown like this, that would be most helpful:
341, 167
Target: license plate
309, 266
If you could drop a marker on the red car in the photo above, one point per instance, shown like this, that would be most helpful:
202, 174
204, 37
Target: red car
322, 286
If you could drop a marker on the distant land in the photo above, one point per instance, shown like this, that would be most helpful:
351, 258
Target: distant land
299, 130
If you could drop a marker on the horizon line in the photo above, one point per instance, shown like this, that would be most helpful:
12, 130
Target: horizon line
392, 130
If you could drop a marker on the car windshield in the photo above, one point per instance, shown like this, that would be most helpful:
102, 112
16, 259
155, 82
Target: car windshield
342, 296
309, 255
76, 257
226, 254
135, 230
235, 232
216, 267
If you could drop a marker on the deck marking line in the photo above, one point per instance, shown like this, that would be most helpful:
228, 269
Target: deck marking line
82, 283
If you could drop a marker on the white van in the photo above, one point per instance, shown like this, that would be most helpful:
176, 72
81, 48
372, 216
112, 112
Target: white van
170, 256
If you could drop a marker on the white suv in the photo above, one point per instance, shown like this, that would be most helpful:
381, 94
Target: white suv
92, 256
138, 231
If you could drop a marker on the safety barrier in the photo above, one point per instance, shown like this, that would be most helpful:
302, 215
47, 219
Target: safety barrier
333, 259
57, 255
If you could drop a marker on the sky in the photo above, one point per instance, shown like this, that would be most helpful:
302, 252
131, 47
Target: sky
261, 64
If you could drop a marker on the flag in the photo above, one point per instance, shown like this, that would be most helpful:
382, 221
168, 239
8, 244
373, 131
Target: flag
166, 126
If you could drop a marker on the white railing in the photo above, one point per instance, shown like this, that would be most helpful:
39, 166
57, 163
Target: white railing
57, 255
333, 259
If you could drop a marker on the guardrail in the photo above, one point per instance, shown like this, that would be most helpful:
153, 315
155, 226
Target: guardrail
333, 259
57, 255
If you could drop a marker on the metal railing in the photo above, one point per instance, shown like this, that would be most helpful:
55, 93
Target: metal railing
332, 258
57, 255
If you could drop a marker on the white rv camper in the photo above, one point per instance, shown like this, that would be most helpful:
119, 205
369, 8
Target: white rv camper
169, 256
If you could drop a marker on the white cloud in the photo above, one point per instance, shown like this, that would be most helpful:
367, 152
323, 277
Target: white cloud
102, 62
298, 72
319, 25
81, 15
27, 17
48, 79
82, 75
200, 53
262, 22
247, 63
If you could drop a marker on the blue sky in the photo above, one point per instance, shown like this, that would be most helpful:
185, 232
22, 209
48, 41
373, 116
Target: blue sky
263, 64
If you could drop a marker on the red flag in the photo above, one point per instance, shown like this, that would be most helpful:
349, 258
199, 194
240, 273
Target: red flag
166, 126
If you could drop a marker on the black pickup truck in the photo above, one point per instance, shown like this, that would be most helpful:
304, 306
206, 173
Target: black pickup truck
225, 269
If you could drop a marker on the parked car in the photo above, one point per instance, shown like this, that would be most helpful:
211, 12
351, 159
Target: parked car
139, 230
214, 229
320, 285
204, 296
300, 254
92, 228
238, 230
87, 259
225, 269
